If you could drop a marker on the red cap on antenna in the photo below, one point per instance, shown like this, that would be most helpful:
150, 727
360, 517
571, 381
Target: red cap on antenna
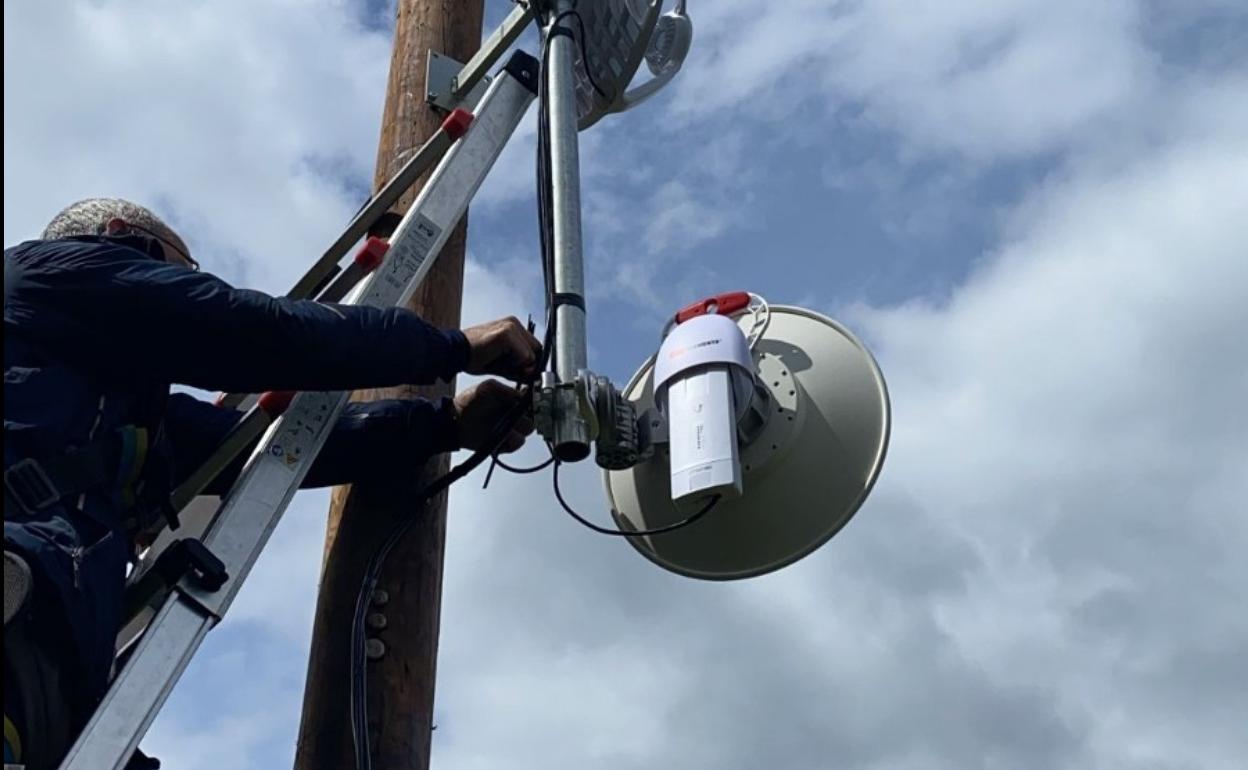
723, 304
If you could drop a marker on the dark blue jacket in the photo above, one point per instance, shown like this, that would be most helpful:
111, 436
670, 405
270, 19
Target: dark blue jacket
95, 331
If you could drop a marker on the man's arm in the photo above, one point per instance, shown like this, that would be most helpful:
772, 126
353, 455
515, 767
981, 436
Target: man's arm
117, 308
371, 442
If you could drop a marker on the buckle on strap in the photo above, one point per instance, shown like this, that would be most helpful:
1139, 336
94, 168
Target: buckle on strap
29, 484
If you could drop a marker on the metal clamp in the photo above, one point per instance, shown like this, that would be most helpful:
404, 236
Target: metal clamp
751, 423
616, 440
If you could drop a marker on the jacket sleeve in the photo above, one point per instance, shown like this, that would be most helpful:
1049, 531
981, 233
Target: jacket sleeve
112, 306
371, 442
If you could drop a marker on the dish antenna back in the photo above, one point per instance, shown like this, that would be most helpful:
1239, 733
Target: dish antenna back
613, 39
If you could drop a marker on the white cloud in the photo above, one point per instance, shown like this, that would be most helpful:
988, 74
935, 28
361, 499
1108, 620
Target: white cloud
214, 114
1073, 411
1047, 575
984, 80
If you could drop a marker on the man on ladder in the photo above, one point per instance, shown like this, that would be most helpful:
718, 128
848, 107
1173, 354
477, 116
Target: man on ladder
101, 316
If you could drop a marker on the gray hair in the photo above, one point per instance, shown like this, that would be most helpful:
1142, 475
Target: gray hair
91, 217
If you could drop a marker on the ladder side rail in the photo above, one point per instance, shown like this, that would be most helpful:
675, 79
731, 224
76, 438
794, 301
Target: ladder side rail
253, 507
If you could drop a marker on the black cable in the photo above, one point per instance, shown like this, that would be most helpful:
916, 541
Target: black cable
545, 194
705, 509
496, 463
589, 72
545, 229
545, 182
532, 469
359, 676
545, 215
545, 210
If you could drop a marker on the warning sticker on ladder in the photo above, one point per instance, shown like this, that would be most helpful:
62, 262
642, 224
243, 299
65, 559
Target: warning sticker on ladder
410, 247
299, 434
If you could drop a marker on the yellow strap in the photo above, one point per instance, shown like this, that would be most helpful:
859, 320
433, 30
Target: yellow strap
12, 739
134, 468
140, 455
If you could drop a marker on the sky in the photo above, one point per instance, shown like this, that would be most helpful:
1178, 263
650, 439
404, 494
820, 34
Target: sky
1034, 213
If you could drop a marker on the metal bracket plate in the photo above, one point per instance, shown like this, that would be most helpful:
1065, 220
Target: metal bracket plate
785, 416
441, 80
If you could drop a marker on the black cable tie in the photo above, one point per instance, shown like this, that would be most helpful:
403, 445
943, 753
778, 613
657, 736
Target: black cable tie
567, 298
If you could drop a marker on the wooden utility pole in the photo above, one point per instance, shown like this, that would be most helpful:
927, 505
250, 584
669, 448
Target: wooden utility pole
401, 681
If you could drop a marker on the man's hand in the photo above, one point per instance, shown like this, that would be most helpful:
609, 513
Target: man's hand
503, 348
478, 411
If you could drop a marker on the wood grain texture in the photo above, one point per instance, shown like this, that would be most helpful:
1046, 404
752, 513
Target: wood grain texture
401, 684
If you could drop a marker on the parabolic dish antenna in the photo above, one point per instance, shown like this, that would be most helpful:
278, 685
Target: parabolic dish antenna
618, 35
806, 470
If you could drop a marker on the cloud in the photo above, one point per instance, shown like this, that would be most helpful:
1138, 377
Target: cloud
214, 114
985, 81
1049, 572
1089, 378
927, 126
1047, 575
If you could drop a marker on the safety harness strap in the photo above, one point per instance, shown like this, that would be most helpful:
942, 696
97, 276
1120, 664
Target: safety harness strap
114, 463
38, 484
